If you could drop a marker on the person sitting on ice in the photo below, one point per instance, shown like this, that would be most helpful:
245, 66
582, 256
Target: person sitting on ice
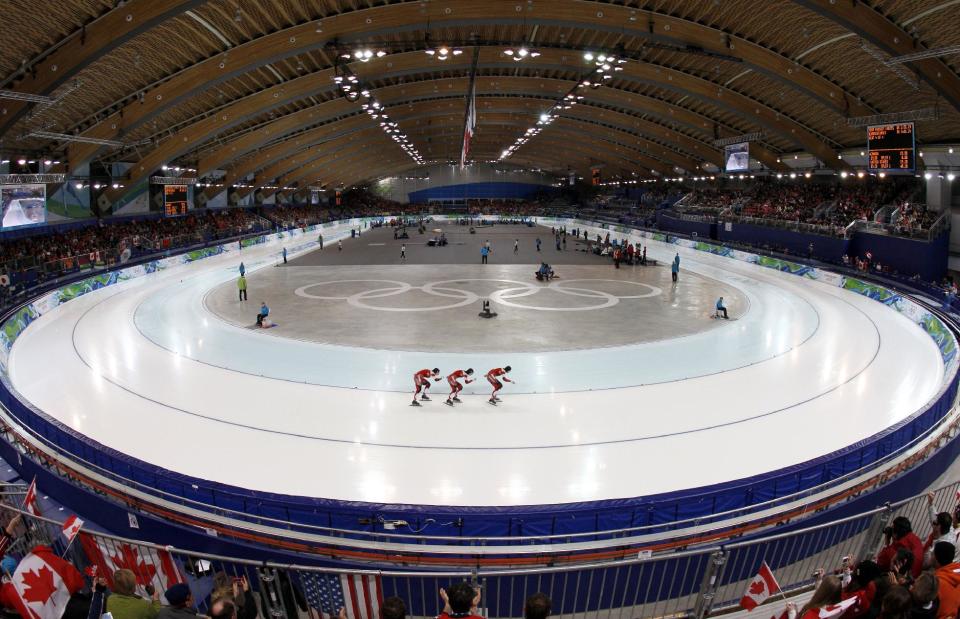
721, 309
545, 272
262, 315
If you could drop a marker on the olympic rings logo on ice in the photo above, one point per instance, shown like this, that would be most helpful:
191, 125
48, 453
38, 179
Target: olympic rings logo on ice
503, 296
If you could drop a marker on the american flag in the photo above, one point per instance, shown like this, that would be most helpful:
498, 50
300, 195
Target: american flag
360, 595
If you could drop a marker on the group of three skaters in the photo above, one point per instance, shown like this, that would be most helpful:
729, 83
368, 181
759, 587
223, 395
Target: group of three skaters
421, 380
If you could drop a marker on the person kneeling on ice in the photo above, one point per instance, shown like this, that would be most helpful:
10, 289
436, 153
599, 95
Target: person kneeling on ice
492, 377
262, 315
421, 380
721, 309
455, 386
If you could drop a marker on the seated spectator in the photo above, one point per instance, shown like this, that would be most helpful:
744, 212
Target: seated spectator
537, 606
947, 572
180, 602
124, 603
901, 536
460, 601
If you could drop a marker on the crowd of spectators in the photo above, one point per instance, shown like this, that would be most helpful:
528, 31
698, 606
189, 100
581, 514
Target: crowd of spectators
909, 578
824, 204
104, 240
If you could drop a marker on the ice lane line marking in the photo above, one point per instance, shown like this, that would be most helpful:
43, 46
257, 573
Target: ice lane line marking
479, 448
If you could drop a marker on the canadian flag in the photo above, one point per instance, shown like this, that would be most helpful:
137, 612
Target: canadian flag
71, 526
149, 565
30, 501
42, 585
835, 610
761, 587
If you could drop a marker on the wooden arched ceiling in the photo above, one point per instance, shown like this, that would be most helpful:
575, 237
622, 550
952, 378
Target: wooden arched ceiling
234, 84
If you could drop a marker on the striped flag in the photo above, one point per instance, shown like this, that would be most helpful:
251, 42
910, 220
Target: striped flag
361, 595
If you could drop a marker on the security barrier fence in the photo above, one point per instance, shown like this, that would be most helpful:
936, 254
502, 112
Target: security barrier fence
681, 583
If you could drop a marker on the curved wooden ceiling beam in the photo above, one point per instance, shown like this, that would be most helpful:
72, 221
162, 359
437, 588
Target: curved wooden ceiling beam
390, 19
450, 127
611, 132
89, 44
584, 152
868, 23
317, 83
410, 93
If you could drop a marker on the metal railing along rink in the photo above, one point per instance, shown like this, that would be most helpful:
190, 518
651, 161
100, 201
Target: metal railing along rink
684, 583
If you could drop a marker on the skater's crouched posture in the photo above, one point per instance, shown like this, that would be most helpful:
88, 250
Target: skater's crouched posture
421, 380
493, 377
455, 386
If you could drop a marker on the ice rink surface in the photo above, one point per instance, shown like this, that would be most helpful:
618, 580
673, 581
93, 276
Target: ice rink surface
164, 370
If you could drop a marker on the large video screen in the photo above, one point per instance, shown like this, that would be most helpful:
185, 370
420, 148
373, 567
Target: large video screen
890, 148
737, 157
174, 200
23, 205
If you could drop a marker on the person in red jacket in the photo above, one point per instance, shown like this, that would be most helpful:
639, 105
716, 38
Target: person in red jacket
421, 380
455, 386
492, 377
901, 535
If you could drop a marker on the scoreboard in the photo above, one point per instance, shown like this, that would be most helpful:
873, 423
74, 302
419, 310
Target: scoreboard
891, 148
174, 200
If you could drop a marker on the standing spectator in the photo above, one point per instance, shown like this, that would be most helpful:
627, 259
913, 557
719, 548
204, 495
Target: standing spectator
484, 252
124, 603
340, 245
516, 246
923, 594
180, 602
393, 608
284, 255
242, 286
403, 252
320, 240
243, 269
901, 536
537, 606
896, 604
675, 268
460, 601
942, 531
538, 243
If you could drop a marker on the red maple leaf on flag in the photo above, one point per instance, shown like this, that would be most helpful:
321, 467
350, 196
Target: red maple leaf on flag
40, 586
129, 558
757, 588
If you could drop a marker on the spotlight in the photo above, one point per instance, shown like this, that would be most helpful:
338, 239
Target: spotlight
927, 175
843, 175
21, 161
47, 162
860, 175
588, 56
950, 177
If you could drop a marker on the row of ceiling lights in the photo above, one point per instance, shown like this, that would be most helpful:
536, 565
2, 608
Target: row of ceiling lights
25, 161
350, 86
605, 65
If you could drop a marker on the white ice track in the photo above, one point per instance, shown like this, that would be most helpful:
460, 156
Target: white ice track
142, 367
